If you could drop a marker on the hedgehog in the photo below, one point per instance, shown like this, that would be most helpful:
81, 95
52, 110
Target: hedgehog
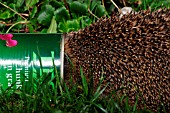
131, 52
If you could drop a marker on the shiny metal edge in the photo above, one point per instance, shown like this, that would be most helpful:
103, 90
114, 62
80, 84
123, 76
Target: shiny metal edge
62, 57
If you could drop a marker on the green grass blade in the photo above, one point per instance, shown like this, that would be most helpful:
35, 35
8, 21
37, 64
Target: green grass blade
135, 105
84, 82
41, 66
117, 106
100, 107
127, 105
99, 92
67, 92
58, 78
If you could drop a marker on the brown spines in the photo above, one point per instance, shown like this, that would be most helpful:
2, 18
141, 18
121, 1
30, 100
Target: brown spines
132, 51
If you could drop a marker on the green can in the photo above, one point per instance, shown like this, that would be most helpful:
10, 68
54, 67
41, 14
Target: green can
33, 54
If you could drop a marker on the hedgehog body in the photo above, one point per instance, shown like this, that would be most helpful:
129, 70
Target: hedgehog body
132, 51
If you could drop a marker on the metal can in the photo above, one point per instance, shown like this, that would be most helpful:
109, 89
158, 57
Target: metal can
34, 54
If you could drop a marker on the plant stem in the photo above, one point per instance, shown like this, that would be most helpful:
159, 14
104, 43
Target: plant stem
124, 3
21, 22
116, 6
67, 7
103, 2
92, 14
12, 10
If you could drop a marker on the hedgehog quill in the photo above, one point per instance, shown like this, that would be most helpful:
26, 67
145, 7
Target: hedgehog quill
132, 52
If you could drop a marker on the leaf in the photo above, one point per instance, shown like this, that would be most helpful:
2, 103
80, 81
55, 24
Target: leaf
87, 2
100, 11
84, 21
70, 25
62, 27
94, 4
61, 14
30, 3
33, 12
33, 22
19, 3
56, 4
78, 8
31, 28
53, 26
74, 24
5, 15
46, 15
110, 9
44, 31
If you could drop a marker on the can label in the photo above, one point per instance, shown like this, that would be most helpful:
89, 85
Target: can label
33, 54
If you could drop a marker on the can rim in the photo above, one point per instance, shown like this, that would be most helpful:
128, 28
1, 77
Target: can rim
62, 57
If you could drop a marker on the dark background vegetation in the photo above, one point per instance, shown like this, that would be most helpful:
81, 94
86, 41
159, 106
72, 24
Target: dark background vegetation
57, 16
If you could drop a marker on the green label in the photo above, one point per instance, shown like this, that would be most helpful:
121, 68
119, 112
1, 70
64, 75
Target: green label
22, 62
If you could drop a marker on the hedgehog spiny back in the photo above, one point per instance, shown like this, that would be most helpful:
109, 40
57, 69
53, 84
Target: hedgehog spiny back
134, 49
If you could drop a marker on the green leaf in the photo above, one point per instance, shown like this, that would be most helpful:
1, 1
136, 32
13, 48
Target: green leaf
70, 25
31, 28
110, 9
53, 26
78, 8
100, 11
46, 15
62, 27
30, 3
5, 15
19, 3
94, 4
84, 21
34, 23
61, 14
44, 31
74, 24
87, 2
56, 4
33, 12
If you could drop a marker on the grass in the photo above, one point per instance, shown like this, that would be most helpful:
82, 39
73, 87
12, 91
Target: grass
41, 97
